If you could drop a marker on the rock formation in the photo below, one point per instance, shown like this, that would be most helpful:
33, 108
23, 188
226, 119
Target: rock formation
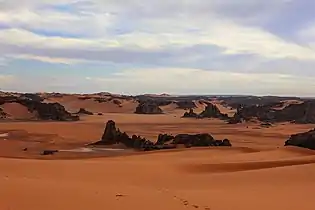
212, 111
84, 112
50, 111
296, 113
148, 108
305, 140
45, 111
112, 135
49, 152
190, 114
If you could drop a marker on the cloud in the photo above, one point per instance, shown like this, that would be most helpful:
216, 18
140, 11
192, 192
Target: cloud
135, 26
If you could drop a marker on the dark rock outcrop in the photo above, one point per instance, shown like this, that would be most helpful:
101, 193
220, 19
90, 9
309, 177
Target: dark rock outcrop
190, 114
112, 136
148, 108
164, 138
117, 102
84, 112
49, 152
212, 111
305, 140
303, 113
45, 111
32, 96
50, 111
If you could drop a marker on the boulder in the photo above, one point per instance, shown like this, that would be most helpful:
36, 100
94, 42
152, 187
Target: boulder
305, 140
148, 108
117, 102
49, 152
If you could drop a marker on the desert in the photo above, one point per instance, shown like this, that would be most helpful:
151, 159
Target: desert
157, 105
257, 171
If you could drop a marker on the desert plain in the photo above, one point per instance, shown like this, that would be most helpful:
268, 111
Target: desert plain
257, 172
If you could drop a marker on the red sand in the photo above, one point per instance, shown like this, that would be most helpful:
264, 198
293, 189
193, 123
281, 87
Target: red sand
17, 111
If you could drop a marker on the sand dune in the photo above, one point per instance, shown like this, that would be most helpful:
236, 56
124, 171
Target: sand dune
17, 111
157, 182
258, 172
73, 103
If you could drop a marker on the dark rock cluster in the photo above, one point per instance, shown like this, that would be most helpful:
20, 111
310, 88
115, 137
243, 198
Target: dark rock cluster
45, 111
303, 113
190, 114
148, 107
305, 140
211, 111
112, 135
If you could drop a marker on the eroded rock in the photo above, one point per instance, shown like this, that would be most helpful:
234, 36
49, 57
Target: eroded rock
148, 108
305, 140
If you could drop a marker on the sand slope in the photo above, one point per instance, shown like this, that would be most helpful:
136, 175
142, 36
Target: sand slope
17, 111
157, 181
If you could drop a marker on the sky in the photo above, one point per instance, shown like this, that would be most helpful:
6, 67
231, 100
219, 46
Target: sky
257, 47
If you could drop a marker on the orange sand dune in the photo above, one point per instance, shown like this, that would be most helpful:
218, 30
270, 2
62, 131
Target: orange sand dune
156, 182
17, 111
72, 103
258, 172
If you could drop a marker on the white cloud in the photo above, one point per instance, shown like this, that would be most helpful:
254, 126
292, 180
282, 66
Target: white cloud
45, 59
155, 26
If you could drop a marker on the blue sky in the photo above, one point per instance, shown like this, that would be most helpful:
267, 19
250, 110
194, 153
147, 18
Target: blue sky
179, 47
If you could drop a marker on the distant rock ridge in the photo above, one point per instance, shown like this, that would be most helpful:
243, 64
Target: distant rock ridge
210, 111
44, 111
148, 107
303, 113
112, 136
